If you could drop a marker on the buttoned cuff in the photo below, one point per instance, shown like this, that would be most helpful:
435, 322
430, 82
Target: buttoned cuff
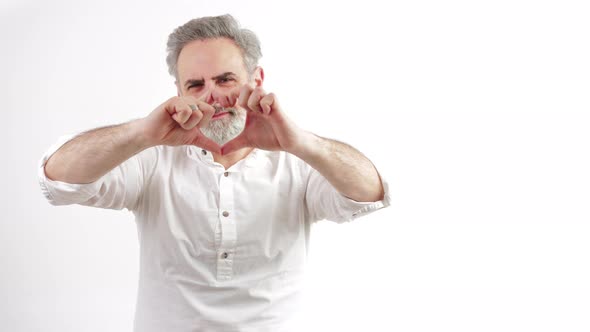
353, 209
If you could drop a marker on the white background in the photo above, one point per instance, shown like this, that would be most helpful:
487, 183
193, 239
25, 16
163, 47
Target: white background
477, 113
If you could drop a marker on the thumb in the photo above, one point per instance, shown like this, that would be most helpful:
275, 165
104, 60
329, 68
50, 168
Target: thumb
206, 143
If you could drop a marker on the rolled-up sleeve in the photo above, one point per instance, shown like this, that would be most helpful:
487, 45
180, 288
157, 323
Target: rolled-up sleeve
323, 201
119, 188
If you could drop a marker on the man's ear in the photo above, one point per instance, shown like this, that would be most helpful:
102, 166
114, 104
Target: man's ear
258, 76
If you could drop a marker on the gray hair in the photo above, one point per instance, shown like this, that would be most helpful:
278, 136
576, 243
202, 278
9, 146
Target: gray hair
211, 27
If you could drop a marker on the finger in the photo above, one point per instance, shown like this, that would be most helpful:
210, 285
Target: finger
254, 100
233, 98
194, 100
182, 112
235, 144
208, 112
193, 120
170, 105
204, 96
207, 144
245, 92
267, 102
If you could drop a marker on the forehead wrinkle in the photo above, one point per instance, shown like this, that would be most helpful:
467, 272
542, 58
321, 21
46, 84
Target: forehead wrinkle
209, 54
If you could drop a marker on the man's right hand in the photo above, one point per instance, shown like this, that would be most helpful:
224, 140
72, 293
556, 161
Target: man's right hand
174, 122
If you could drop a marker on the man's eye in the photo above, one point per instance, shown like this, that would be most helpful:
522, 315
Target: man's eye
194, 85
225, 79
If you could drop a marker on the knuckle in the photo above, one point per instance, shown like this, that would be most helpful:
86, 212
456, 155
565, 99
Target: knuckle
252, 104
206, 111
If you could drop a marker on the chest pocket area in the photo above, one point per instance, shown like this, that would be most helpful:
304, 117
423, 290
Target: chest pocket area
194, 214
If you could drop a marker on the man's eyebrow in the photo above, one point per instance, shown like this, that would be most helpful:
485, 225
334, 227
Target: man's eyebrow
193, 81
224, 75
202, 81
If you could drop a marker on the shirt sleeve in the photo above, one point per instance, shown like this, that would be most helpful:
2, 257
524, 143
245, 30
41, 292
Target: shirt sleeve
119, 188
323, 201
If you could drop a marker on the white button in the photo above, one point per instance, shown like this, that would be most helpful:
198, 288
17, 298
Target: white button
226, 174
224, 255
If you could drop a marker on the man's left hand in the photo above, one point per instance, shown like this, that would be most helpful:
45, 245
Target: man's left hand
267, 127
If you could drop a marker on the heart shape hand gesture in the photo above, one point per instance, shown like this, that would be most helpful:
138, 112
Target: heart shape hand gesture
267, 127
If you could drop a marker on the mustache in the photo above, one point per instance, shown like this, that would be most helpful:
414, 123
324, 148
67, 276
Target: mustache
230, 110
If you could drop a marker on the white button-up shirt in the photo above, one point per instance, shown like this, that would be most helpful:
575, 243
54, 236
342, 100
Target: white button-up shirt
220, 250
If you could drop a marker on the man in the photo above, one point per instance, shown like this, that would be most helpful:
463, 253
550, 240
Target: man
223, 185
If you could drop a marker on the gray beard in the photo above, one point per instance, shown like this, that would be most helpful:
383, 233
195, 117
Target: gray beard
227, 128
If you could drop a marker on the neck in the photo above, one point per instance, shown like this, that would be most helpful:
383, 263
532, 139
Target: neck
229, 160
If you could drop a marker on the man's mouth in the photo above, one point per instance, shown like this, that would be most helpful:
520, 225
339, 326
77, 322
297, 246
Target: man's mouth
222, 111
220, 114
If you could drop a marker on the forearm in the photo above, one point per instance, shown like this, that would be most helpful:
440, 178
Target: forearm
92, 154
348, 170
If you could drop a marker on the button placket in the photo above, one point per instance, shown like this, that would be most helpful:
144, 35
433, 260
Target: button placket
228, 228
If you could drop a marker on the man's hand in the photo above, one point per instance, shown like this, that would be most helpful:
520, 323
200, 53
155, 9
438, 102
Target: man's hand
267, 127
177, 122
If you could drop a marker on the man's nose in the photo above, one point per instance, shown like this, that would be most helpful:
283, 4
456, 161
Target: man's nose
218, 97
209, 99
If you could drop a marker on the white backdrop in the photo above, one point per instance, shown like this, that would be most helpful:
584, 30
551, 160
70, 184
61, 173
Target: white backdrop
476, 112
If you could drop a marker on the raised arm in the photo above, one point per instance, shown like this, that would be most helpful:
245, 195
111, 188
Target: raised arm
348, 170
94, 153
269, 128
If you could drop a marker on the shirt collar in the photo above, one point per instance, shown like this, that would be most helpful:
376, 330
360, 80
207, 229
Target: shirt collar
255, 158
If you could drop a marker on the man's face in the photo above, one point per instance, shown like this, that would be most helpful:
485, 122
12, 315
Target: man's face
214, 70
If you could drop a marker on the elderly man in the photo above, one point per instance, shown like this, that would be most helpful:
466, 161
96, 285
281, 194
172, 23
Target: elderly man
223, 185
